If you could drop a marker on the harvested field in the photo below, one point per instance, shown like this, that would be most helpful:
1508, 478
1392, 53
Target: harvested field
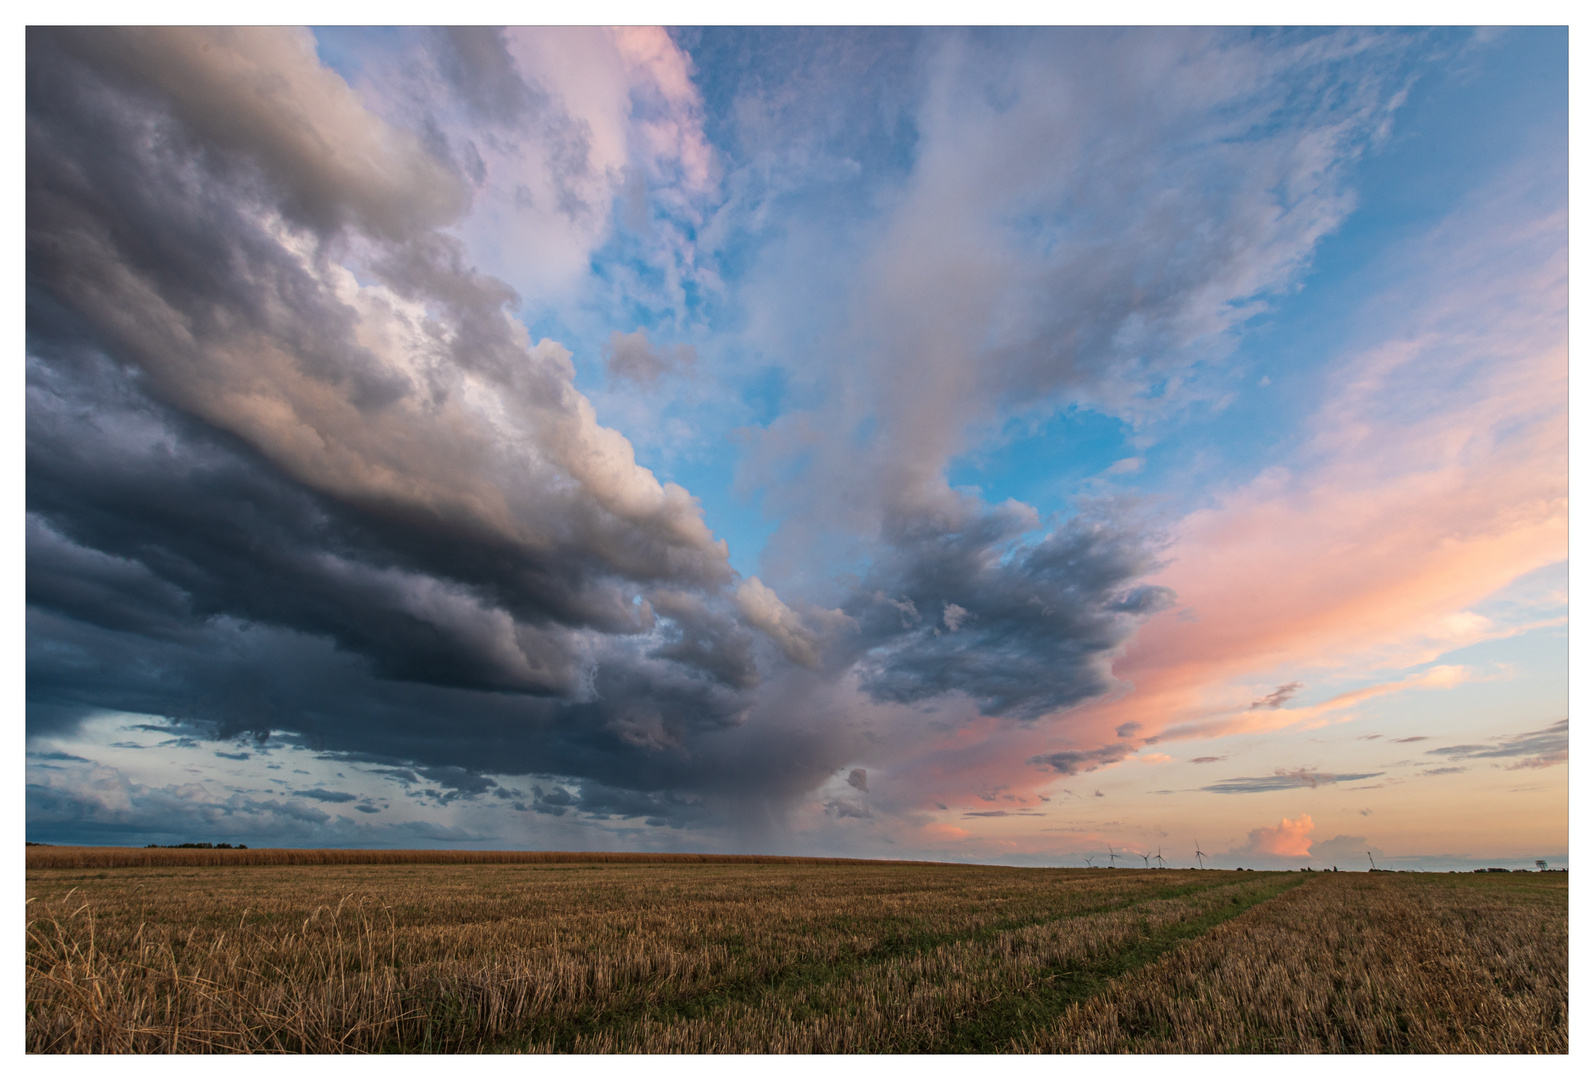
1354, 963
104, 858
784, 956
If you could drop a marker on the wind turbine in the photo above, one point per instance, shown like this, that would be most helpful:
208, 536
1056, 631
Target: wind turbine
1370, 861
1161, 865
1089, 863
1198, 854
1147, 859
1112, 857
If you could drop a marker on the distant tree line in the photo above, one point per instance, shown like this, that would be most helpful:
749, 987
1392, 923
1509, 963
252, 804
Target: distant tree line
217, 847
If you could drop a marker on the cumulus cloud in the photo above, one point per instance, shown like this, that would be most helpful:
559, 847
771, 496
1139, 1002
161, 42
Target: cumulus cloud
441, 435
1040, 619
277, 422
800, 643
859, 778
1289, 838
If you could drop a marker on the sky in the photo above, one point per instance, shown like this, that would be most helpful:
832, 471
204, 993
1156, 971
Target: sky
1026, 446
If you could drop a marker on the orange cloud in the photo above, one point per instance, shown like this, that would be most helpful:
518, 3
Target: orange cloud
1434, 475
1291, 838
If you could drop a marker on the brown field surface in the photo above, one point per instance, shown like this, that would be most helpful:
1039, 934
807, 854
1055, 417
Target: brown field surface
48, 857
711, 955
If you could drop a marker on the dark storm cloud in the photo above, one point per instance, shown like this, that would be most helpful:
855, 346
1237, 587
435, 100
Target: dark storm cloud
323, 795
556, 801
265, 498
1039, 619
465, 781
624, 752
1283, 780
657, 808
1536, 749
859, 778
225, 431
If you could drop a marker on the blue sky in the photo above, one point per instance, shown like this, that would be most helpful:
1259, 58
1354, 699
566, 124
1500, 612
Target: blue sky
586, 438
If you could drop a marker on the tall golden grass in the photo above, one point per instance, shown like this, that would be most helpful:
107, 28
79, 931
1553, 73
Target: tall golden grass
706, 958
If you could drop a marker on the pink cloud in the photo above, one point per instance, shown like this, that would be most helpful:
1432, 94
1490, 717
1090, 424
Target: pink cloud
622, 124
1438, 477
1435, 476
1287, 838
669, 119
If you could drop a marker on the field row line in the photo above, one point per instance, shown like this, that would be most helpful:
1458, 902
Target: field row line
569, 1033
